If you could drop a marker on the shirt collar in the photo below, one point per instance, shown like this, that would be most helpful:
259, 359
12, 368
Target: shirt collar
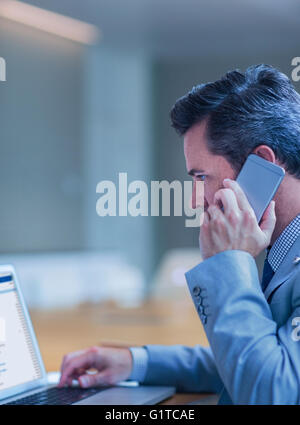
283, 243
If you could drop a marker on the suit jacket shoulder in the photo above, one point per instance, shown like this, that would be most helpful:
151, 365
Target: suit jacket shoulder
250, 333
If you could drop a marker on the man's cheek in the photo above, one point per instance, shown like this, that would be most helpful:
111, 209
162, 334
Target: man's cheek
198, 195
208, 197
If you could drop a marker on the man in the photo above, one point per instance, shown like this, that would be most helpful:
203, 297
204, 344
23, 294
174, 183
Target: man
254, 356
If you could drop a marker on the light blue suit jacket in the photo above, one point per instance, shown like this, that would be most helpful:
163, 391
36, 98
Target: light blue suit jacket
254, 354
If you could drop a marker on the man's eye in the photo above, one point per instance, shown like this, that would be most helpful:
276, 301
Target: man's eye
201, 177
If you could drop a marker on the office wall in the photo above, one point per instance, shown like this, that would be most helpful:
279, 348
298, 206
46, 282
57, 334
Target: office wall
70, 116
40, 141
118, 138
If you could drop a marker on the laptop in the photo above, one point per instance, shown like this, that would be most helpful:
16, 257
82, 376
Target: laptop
23, 378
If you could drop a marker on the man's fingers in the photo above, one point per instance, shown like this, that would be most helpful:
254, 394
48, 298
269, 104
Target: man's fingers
67, 358
83, 361
215, 213
241, 198
92, 380
227, 198
268, 221
205, 236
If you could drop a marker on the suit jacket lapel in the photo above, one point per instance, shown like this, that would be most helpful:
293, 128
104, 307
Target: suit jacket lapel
286, 268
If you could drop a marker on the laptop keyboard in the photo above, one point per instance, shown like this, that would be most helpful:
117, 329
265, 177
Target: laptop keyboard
58, 396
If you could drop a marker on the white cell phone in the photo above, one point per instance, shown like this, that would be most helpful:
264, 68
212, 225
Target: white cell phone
260, 180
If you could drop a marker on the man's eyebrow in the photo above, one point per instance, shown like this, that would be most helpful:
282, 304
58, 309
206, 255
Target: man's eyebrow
193, 171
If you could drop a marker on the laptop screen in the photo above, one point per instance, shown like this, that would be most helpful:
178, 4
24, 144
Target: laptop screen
18, 359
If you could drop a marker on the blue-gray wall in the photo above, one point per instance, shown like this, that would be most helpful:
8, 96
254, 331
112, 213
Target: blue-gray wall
40, 141
71, 116
118, 138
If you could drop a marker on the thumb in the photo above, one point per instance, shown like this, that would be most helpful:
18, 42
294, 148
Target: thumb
268, 221
92, 380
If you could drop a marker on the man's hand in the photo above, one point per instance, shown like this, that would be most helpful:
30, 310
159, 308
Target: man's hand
111, 364
236, 228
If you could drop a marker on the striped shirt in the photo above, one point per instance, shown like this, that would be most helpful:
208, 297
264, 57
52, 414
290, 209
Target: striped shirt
283, 244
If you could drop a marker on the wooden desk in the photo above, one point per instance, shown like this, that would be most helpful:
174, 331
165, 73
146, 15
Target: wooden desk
156, 322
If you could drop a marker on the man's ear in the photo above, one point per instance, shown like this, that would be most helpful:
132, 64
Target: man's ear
265, 152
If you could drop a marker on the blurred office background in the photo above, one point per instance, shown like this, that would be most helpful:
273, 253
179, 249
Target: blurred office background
76, 113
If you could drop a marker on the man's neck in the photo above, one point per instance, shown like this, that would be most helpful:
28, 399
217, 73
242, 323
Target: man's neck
281, 225
287, 205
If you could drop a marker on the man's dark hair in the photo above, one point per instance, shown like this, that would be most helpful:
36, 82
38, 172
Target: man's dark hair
243, 111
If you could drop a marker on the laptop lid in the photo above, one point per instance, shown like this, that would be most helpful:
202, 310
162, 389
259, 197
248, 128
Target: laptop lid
21, 364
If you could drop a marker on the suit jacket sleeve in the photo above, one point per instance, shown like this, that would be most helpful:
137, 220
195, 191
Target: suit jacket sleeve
188, 369
258, 361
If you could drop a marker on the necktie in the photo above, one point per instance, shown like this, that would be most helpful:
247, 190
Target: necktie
268, 273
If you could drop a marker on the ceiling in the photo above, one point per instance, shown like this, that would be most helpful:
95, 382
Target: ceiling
181, 27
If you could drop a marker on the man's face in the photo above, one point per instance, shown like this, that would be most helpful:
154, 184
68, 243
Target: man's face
203, 165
